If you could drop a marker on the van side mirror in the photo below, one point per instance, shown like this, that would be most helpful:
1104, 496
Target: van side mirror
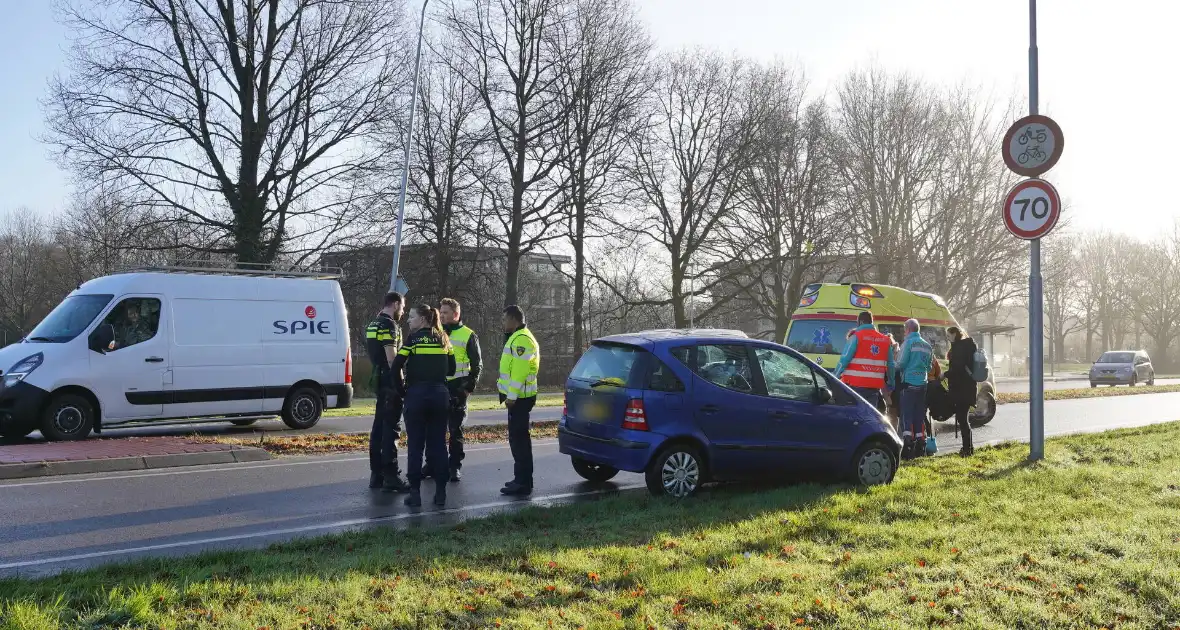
101, 338
823, 395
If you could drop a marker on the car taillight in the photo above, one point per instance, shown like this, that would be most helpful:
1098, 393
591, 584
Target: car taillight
635, 417
348, 368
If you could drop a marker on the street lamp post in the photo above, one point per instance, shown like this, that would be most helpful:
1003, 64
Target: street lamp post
1036, 341
401, 204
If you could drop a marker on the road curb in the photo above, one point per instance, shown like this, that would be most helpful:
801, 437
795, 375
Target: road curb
143, 462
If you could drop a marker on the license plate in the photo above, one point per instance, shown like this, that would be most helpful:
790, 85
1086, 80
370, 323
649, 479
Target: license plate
595, 411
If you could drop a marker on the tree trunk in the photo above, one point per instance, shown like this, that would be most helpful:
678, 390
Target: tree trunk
579, 246
679, 319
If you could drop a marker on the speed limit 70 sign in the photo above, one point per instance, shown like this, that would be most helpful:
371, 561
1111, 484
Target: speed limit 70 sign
1032, 209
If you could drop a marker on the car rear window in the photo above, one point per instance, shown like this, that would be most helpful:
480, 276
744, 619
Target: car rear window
819, 336
607, 362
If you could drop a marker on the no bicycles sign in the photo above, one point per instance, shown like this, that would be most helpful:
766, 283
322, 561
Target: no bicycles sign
1033, 145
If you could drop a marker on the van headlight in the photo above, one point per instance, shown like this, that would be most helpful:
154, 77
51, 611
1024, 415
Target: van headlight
22, 369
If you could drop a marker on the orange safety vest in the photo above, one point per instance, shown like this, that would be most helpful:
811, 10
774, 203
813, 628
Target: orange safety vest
870, 362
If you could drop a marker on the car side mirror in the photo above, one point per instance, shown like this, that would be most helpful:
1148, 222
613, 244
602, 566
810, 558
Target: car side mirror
101, 338
823, 396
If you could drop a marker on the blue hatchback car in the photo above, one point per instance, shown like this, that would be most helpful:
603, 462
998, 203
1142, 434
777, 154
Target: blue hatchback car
686, 407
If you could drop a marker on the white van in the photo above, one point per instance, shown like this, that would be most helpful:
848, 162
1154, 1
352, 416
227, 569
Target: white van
177, 343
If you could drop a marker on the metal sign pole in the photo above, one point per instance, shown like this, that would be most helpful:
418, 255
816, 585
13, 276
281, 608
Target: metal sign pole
1036, 341
401, 204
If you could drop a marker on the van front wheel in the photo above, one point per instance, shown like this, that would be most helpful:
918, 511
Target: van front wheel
68, 417
303, 408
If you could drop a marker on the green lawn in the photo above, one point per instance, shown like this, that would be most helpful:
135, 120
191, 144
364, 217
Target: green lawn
1090, 538
1087, 392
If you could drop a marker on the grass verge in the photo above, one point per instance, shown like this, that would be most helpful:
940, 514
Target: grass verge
328, 443
366, 406
1088, 538
1087, 392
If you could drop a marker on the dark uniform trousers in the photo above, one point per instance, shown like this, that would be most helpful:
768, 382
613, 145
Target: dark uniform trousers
387, 427
519, 440
427, 406
456, 416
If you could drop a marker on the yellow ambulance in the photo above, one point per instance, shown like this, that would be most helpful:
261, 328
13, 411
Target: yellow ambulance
827, 313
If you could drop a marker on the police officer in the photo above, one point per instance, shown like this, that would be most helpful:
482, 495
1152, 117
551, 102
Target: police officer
382, 339
519, 364
468, 366
867, 364
428, 361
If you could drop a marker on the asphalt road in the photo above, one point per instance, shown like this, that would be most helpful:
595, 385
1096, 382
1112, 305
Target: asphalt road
73, 522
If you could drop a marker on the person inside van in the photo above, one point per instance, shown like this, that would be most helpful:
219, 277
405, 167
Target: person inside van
130, 327
962, 384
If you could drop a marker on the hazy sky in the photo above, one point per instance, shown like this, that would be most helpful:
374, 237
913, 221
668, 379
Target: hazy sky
1108, 76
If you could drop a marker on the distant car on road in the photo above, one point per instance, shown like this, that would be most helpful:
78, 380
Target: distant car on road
685, 407
1122, 367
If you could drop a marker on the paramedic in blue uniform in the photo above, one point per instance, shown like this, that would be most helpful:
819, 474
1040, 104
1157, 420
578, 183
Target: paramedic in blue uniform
383, 336
428, 360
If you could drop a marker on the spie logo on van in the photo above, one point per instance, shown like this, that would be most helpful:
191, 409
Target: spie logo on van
309, 325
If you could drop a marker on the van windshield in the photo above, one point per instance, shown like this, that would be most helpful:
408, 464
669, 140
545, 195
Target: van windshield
819, 336
69, 319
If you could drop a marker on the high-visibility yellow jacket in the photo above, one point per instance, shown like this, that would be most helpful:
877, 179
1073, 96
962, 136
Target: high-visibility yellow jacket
519, 364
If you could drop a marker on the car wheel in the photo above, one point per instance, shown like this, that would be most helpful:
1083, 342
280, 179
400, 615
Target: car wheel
1134, 381
985, 406
676, 472
243, 423
591, 471
303, 408
68, 417
873, 465
1151, 380
1093, 384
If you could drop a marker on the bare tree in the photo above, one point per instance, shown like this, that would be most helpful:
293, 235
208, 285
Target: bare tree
509, 53
1106, 264
1156, 293
30, 281
604, 80
1063, 309
251, 117
445, 184
687, 166
889, 150
783, 230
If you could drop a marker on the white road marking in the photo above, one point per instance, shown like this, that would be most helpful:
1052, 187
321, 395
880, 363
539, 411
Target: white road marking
194, 470
305, 529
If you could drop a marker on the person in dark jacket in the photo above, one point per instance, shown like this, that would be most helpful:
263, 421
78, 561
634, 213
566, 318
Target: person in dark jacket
961, 383
428, 360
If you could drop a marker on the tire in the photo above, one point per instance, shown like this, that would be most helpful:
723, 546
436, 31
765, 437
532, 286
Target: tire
1151, 380
590, 471
303, 408
1093, 384
874, 464
677, 472
243, 423
1134, 381
990, 400
67, 417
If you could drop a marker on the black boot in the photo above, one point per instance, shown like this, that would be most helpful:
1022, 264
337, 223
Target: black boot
440, 495
455, 474
375, 481
415, 498
395, 483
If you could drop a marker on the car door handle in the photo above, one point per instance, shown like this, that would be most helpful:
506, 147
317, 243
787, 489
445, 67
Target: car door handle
710, 409
154, 359
780, 415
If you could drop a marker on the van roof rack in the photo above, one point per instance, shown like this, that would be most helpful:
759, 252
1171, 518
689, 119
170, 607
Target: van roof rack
266, 270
